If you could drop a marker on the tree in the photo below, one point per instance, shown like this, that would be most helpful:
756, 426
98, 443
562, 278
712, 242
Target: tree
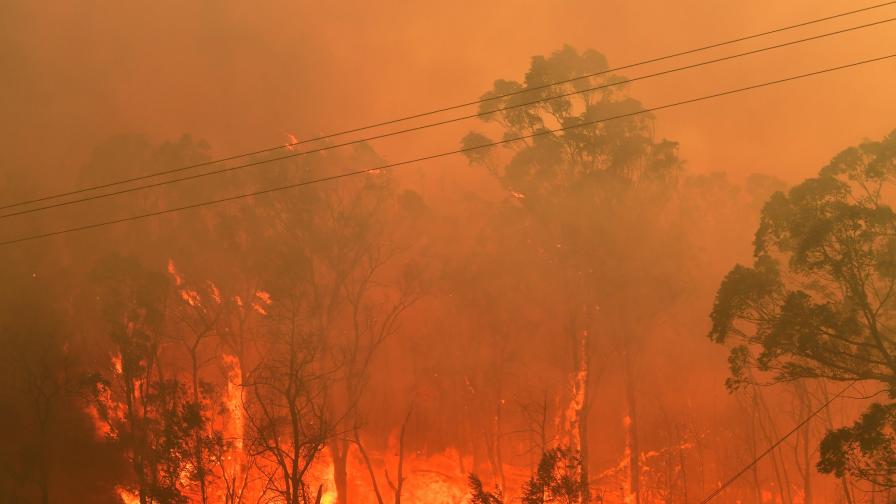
558, 479
587, 195
340, 263
41, 378
198, 310
479, 495
148, 411
288, 417
152, 240
865, 450
818, 301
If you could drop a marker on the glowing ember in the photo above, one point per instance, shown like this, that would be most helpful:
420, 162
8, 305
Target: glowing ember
292, 140
214, 292
172, 270
190, 296
263, 299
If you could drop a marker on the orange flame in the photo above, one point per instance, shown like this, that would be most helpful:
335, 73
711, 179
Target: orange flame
263, 299
126, 496
291, 142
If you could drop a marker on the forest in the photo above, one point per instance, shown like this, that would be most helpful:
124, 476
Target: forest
577, 316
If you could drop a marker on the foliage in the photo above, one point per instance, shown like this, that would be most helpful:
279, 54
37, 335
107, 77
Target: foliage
818, 301
558, 479
592, 162
478, 494
589, 186
866, 450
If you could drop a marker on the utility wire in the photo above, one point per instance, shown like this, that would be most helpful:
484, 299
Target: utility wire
777, 443
443, 154
439, 123
448, 108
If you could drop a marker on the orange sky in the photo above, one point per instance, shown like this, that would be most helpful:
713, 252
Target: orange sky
242, 74
245, 75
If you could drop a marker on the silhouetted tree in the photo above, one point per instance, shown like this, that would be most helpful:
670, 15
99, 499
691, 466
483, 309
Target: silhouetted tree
41, 378
341, 258
558, 479
819, 300
478, 494
866, 450
288, 420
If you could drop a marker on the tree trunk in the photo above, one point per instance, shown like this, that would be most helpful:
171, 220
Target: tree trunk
578, 423
43, 466
137, 440
499, 455
753, 450
805, 410
42, 410
844, 481
585, 480
399, 483
682, 463
339, 453
370, 471
633, 441
197, 435
777, 458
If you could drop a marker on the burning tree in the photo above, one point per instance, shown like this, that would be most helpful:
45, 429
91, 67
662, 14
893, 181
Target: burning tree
479, 495
197, 311
339, 278
288, 417
587, 195
818, 301
146, 409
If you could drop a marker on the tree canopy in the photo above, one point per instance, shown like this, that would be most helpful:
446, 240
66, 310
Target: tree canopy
818, 301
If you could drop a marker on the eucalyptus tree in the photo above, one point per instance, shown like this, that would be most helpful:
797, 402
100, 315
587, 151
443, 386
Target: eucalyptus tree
588, 183
144, 404
818, 301
338, 267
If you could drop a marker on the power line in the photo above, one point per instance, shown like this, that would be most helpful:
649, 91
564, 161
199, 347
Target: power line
439, 123
777, 443
448, 108
442, 154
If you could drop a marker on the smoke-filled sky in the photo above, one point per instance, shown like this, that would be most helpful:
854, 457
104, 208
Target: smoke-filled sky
505, 252
243, 74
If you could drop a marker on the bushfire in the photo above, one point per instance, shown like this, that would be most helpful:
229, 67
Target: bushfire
446, 253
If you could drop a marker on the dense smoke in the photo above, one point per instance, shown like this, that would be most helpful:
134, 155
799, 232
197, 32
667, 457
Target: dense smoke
523, 321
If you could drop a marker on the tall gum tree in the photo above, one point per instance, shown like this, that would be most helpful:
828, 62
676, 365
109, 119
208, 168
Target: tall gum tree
591, 195
818, 301
340, 259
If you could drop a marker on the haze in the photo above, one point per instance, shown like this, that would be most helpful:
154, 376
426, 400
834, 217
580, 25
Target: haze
441, 331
